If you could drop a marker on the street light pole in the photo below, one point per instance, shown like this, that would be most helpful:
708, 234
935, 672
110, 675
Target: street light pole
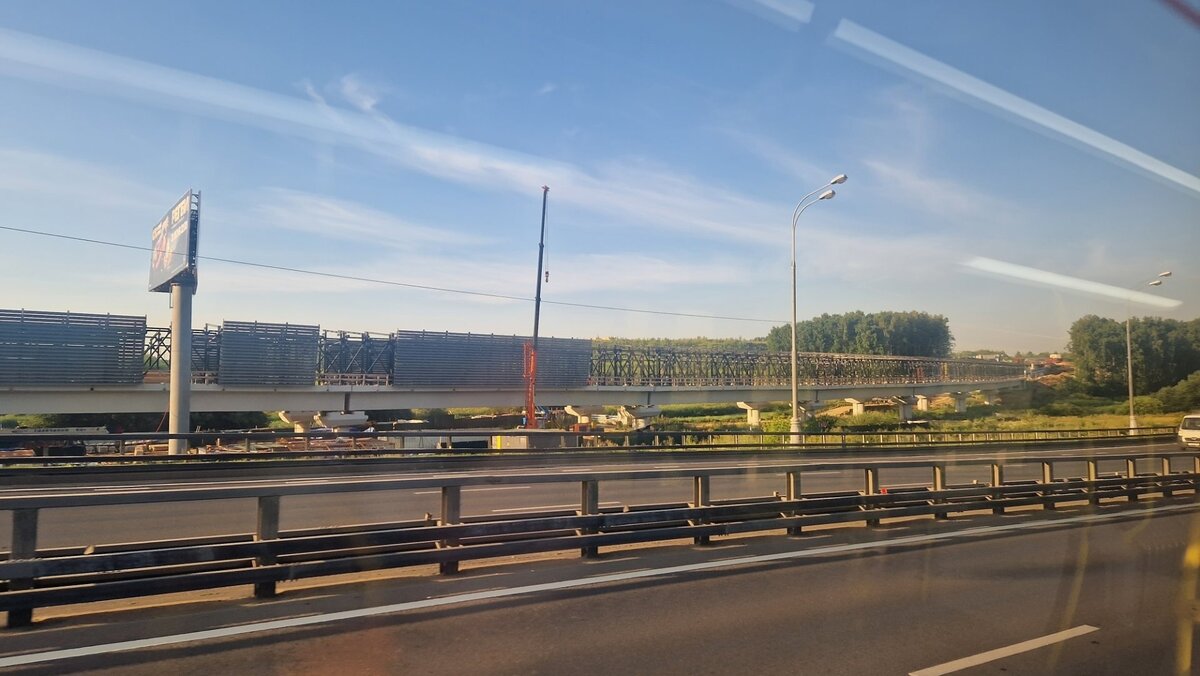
794, 428
1129, 347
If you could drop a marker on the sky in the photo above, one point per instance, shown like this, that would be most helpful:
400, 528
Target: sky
1012, 165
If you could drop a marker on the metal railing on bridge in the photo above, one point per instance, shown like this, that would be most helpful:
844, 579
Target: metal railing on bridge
45, 348
666, 367
35, 577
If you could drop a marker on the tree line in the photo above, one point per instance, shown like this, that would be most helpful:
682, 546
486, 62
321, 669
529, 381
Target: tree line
916, 334
1165, 352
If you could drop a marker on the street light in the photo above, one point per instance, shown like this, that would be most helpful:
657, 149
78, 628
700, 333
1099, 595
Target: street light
800, 207
1129, 345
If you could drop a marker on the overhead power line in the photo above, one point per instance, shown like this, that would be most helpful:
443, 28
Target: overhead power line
392, 282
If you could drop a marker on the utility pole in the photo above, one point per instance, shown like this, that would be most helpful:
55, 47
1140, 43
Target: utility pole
531, 348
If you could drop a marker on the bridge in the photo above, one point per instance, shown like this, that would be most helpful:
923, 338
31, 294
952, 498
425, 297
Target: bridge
90, 363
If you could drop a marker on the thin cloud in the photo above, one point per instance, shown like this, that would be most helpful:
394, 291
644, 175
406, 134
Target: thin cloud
344, 220
548, 88
936, 195
357, 92
656, 198
785, 159
28, 172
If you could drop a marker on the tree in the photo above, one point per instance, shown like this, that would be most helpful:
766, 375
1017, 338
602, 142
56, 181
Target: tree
916, 334
1165, 351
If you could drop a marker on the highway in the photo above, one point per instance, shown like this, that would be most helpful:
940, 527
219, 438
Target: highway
129, 523
1073, 592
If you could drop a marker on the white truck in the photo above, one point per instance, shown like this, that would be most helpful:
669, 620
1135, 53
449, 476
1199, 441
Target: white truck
1189, 432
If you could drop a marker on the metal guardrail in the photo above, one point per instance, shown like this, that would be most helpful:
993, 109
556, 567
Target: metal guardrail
34, 578
116, 448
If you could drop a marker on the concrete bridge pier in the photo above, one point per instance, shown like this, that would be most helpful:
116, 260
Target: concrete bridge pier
342, 421
583, 414
301, 421
857, 406
960, 401
904, 408
922, 402
637, 417
753, 412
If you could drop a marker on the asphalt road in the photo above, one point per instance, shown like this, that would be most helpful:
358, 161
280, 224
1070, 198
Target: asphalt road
1073, 592
131, 523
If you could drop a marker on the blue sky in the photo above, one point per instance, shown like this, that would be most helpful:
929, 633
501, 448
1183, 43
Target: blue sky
408, 142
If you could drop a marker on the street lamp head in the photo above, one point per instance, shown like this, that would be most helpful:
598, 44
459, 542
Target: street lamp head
838, 180
827, 195
1166, 273
1157, 282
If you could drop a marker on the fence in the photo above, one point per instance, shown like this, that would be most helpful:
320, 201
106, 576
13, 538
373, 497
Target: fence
39, 577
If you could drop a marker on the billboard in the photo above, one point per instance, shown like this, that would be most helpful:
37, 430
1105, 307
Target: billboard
173, 245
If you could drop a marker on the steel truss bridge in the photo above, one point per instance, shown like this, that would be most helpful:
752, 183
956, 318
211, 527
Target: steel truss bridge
55, 362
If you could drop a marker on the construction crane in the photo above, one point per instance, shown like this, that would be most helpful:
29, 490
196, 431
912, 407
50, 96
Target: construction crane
531, 421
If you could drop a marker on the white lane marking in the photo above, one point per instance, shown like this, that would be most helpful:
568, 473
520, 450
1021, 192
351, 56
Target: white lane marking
1007, 651
475, 490
529, 509
258, 627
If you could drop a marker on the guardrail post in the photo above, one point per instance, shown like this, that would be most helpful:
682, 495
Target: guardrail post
1166, 483
939, 484
1131, 473
24, 546
451, 514
249, 445
701, 497
1196, 480
268, 529
997, 484
1092, 476
870, 487
589, 503
1048, 481
793, 493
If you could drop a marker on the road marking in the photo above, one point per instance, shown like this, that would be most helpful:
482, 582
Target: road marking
475, 490
308, 620
1007, 651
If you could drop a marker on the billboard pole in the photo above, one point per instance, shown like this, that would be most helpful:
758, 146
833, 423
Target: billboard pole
173, 270
181, 367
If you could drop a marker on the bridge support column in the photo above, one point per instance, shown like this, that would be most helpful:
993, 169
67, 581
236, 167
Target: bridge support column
857, 407
960, 401
904, 409
637, 417
753, 413
301, 421
922, 402
583, 414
